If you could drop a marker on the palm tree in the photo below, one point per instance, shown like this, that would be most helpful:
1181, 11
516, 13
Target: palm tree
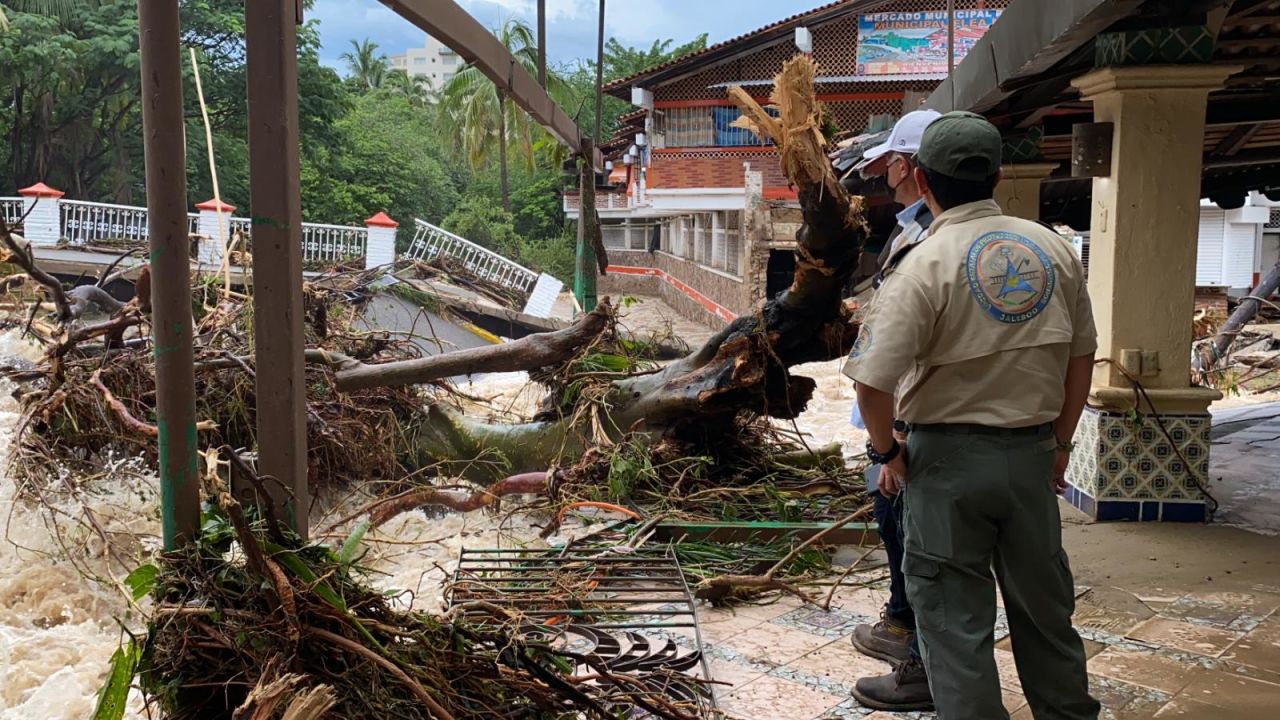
366, 64
58, 8
481, 118
417, 88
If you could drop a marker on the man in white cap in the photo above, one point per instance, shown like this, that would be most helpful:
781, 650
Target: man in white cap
892, 639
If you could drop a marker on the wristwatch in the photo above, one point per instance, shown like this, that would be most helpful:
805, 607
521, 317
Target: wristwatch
1066, 446
886, 457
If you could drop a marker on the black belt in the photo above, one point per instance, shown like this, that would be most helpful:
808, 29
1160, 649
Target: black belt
971, 429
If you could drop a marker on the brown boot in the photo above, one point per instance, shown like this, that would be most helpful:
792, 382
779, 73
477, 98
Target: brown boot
887, 640
906, 688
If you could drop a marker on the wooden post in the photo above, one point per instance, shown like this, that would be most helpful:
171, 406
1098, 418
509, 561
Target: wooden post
164, 149
276, 209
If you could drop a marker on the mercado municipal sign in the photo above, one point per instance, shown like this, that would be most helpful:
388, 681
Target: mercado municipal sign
915, 43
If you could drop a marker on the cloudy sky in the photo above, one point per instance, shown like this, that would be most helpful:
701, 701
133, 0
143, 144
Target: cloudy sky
571, 24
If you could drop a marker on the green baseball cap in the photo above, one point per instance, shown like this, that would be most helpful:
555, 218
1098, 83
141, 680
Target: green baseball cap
961, 145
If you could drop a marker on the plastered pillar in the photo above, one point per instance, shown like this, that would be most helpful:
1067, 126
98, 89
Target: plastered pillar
41, 206
1019, 190
1143, 239
214, 226
381, 246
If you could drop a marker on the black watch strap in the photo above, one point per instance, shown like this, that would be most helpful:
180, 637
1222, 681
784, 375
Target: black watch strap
885, 457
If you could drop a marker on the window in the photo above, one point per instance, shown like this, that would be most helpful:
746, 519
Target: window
450, 60
733, 242
419, 61
705, 127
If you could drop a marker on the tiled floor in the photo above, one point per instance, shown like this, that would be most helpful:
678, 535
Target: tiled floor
1193, 655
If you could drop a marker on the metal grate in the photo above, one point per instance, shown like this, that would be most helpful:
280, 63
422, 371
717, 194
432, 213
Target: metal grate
624, 608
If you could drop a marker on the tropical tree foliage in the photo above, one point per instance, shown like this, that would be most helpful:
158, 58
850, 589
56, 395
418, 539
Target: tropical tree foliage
365, 65
484, 122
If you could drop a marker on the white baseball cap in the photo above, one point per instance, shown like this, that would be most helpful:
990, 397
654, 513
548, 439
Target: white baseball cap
905, 137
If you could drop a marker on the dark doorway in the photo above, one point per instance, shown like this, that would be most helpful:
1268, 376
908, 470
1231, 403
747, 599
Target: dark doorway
782, 270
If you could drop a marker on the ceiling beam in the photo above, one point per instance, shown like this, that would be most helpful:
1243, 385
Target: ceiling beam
1248, 20
446, 21
1245, 7
1235, 140
1262, 156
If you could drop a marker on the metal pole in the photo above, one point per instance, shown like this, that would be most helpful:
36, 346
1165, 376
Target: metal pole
542, 43
599, 77
271, 43
585, 269
164, 149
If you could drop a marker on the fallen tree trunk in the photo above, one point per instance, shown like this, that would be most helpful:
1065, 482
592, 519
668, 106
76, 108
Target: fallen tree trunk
527, 353
744, 367
1238, 319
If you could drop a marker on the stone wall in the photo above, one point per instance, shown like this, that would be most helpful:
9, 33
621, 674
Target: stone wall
696, 292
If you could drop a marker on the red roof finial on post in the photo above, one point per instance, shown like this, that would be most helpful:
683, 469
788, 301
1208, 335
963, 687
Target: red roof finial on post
215, 205
381, 220
40, 190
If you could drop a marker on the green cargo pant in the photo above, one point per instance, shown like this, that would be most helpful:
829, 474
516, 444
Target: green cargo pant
976, 498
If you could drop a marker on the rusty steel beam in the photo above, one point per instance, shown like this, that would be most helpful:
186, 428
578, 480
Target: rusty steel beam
276, 208
446, 21
165, 153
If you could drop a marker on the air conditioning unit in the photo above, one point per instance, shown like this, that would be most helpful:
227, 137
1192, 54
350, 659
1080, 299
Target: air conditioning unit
641, 97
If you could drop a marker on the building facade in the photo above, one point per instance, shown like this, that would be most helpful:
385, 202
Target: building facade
697, 211
433, 60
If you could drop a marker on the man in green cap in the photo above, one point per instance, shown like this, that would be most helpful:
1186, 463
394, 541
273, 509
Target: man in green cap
986, 333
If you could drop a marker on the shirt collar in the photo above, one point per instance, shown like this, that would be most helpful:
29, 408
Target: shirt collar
908, 214
965, 213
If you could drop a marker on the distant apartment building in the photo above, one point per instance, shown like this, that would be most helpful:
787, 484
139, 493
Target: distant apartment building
433, 61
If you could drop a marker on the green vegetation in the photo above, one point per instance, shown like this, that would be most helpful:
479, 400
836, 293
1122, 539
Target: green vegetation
460, 156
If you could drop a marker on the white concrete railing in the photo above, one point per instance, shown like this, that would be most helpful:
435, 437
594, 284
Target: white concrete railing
333, 243
430, 242
11, 209
87, 222
83, 223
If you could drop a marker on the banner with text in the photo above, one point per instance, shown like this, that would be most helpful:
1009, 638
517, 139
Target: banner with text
915, 43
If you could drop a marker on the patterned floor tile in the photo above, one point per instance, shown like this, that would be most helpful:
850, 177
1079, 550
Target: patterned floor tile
1199, 639
1259, 647
770, 697
1145, 669
1231, 690
831, 624
1123, 701
777, 644
841, 663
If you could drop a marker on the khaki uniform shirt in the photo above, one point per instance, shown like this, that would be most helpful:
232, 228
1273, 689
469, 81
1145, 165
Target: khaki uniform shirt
976, 325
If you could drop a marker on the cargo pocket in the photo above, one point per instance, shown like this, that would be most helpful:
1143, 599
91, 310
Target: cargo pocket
924, 589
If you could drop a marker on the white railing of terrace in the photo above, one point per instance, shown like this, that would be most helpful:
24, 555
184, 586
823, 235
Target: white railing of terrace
87, 222
11, 210
332, 243
430, 242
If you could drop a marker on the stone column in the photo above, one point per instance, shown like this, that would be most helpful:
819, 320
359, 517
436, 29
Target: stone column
380, 248
1143, 240
214, 226
1019, 190
42, 207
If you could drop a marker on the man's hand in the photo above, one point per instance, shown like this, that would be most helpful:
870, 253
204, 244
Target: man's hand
1060, 463
893, 475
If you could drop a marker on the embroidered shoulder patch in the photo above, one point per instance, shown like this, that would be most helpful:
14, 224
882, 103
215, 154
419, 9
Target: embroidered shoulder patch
1010, 276
862, 344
